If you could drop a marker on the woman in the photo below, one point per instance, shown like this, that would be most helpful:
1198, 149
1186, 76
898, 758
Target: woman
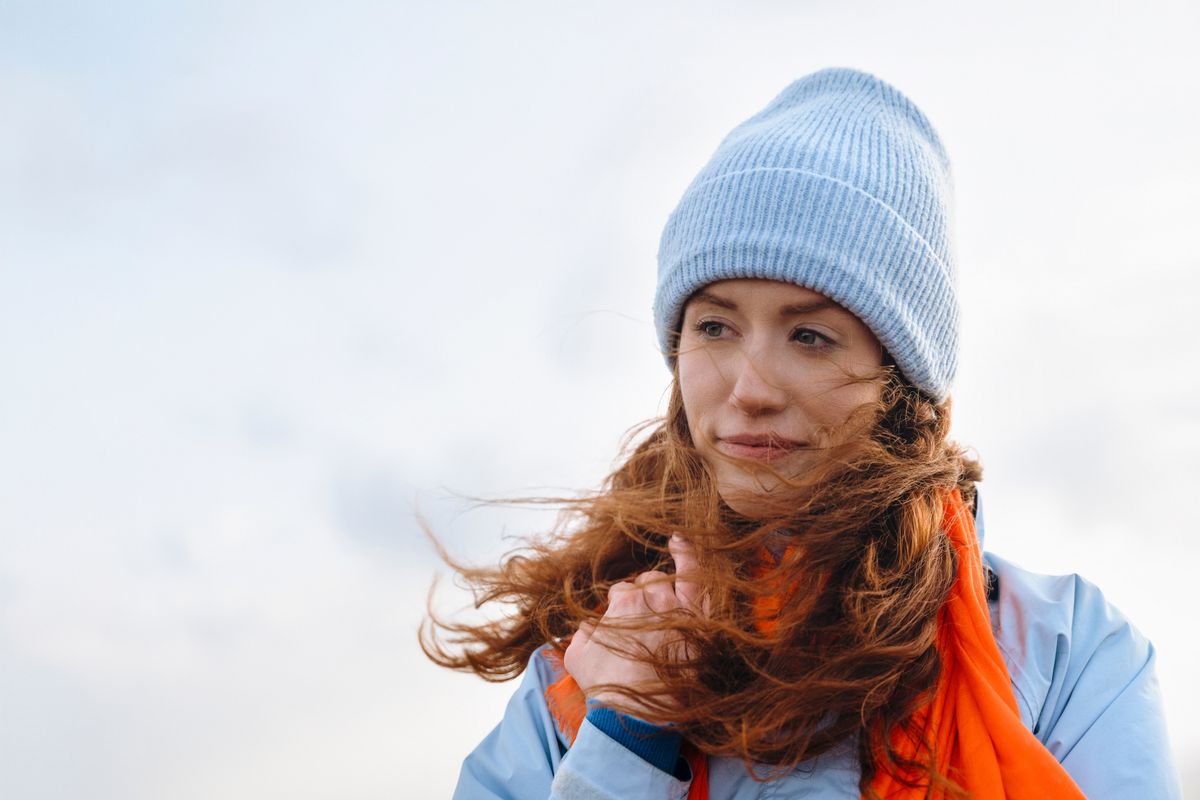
781, 591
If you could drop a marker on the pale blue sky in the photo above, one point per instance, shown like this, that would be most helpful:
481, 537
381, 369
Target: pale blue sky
274, 276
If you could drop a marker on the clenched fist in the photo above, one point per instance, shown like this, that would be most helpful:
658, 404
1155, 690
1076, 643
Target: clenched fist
597, 653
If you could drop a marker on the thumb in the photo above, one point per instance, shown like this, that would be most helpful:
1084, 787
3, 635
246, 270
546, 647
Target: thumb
584, 634
687, 571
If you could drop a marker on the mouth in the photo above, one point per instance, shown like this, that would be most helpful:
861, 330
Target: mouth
758, 447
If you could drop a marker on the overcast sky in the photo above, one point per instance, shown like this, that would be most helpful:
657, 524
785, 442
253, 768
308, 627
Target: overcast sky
277, 277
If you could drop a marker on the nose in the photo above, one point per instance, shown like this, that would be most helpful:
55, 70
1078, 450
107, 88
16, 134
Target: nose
755, 390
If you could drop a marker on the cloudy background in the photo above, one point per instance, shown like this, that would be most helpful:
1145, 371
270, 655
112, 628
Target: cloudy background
277, 277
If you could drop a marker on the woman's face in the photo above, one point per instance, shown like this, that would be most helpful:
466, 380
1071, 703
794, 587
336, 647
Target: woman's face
770, 372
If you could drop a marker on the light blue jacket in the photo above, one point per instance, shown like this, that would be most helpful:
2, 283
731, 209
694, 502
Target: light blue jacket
1083, 677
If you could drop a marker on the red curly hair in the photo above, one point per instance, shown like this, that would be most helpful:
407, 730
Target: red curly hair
859, 555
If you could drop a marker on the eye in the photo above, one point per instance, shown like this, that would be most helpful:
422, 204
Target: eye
810, 338
710, 329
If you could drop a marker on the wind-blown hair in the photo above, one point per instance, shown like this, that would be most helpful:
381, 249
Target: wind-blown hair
823, 610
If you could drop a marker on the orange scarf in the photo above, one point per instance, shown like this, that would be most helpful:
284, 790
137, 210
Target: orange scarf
973, 721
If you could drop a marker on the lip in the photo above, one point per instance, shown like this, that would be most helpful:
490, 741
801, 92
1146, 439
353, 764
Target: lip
758, 446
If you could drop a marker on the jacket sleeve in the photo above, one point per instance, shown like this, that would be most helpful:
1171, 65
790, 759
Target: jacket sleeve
1088, 678
526, 758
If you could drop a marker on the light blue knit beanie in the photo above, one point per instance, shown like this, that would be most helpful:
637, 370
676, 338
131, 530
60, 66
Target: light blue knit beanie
840, 185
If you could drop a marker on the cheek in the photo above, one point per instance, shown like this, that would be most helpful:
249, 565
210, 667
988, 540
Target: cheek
843, 402
701, 389
845, 386
695, 380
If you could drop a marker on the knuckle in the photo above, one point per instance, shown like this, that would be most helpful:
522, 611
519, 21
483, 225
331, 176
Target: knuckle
623, 603
661, 599
617, 590
650, 577
660, 591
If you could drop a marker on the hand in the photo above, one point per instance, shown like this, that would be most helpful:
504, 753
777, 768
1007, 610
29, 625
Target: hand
597, 654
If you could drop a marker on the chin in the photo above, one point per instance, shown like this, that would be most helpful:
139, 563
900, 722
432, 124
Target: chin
751, 493
748, 498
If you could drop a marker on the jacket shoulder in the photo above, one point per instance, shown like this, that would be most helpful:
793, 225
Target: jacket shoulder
1085, 682
1054, 631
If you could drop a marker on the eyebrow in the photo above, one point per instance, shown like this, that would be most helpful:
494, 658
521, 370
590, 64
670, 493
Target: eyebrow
786, 311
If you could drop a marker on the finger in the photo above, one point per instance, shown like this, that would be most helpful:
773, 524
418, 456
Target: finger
579, 640
624, 598
619, 588
660, 597
687, 569
651, 576
577, 646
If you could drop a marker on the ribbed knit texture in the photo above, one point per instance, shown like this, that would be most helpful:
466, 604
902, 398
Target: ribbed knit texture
840, 185
655, 745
